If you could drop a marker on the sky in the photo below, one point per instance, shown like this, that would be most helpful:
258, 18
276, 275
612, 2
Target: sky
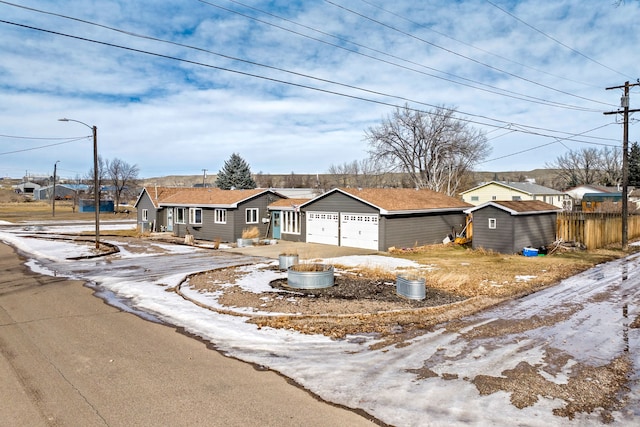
292, 86
591, 313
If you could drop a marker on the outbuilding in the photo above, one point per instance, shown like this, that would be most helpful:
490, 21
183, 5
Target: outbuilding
380, 218
510, 226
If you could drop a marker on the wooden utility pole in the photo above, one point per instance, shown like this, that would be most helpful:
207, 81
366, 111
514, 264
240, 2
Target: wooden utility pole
624, 103
204, 176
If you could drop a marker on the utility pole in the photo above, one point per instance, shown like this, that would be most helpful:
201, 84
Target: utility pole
53, 197
204, 176
624, 103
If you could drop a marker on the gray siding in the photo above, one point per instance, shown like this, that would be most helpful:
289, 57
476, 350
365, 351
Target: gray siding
418, 230
338, 202
152, 213
236, 223
499, 239
534, 230
512, 232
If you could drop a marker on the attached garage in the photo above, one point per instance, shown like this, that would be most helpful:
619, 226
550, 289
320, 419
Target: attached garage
323, 227
379, 218
359, 230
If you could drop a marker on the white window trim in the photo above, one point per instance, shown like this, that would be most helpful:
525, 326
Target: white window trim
145, 214
220, 216
251, 216
178, 218
492, 223
290, 222
192, 216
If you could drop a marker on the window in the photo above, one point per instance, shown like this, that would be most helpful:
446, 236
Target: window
494, 198
145, 214
195, 216
516, 198
492, 223
180, 217
475, 198
251, 216
220, 216
291, 222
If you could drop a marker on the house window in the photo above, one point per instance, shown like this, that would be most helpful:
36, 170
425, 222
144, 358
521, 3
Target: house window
492, 223
251, 216
145, 214
180, 217
516, 198
195, 216
220, 216
494, 198
475, 198
291, 222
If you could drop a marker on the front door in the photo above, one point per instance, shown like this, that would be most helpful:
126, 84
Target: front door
170, 219
275, 222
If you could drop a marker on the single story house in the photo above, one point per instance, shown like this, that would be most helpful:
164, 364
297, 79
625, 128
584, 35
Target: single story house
205, 213
510, 226
497, 190
373, 218
577, 193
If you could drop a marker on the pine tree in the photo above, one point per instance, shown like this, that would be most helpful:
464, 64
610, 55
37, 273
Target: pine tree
634, 165
235, 174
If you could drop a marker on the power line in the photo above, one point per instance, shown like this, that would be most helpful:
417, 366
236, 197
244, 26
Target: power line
461, 55
412, 22
554, 39
491, 89
531, 129
42, 146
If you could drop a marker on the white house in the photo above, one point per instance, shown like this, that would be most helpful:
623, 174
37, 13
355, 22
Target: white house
505, 191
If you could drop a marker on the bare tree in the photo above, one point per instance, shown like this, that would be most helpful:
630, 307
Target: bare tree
587, 166
102, 174
121, 175
434, 148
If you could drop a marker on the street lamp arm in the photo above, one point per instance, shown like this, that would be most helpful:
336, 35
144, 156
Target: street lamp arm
77, 121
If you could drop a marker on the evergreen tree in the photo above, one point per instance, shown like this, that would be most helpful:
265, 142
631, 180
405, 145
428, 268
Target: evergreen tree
235, 174
634, 165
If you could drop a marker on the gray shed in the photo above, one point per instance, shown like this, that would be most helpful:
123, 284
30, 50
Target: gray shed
510, 226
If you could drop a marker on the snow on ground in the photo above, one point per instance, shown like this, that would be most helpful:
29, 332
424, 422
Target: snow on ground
385, 383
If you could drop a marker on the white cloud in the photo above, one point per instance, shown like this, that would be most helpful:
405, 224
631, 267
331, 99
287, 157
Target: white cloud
172, 117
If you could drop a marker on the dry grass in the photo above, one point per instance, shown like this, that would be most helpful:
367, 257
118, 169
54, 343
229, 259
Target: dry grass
471, 273
251, 233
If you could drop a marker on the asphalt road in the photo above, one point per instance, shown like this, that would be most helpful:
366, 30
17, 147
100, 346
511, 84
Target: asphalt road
69, 359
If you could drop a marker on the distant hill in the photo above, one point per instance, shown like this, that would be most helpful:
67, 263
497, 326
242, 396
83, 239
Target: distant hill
541, 176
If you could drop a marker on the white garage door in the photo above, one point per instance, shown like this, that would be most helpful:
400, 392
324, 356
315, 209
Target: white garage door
359, 231
322, 227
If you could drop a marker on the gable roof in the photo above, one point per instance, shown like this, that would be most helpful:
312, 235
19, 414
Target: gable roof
158, 194
212, 197
287, 204
519, 207
400, 200
524, 187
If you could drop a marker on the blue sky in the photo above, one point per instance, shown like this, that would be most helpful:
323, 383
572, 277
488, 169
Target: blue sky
177, 87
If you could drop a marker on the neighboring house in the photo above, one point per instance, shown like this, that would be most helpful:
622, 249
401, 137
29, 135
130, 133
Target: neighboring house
286, 223
378, 218
602, 202
205, 213
577, 193
510, 226
63, 191
26, 188
501, 191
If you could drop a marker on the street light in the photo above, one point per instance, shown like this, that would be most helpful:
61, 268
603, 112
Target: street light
96, 192
53, 199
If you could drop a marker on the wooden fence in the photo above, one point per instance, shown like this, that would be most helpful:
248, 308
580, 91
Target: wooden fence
595, 230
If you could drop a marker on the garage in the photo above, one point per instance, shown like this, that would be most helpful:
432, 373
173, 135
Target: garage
322, 227
359, 230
